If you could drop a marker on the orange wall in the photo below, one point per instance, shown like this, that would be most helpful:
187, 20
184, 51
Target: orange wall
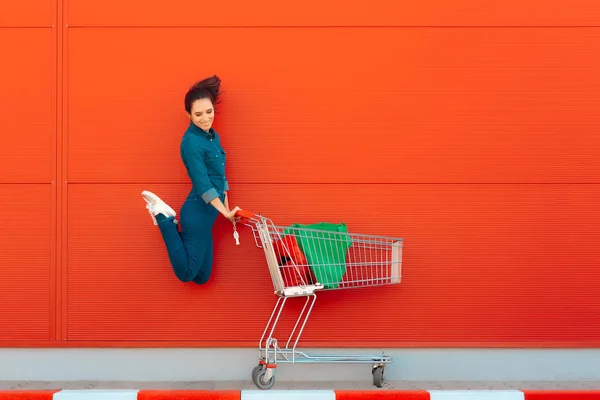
471, 131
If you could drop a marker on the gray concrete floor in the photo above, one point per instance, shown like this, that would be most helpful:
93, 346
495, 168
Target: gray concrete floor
248, 385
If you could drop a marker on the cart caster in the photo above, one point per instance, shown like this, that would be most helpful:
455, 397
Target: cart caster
378, 376
259, 377
255, 372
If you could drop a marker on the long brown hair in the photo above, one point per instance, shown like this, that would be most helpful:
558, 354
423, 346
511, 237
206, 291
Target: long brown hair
207, 88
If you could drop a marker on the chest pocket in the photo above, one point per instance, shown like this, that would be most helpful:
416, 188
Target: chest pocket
215, 160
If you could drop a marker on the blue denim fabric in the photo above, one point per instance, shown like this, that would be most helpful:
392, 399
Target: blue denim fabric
205, 161
191, 251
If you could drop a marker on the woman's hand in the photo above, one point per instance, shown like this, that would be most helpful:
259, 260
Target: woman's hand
230, 214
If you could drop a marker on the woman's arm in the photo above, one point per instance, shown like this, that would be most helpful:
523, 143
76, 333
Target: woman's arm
229, 214
226, 201
194, 155
201, 181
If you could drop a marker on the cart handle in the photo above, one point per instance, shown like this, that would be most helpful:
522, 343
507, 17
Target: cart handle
245, 214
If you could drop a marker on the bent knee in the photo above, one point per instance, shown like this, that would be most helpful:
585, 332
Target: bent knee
185, 278
201, 279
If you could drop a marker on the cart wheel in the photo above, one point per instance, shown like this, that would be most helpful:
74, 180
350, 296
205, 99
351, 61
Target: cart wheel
378, 378
260, 380
255, 372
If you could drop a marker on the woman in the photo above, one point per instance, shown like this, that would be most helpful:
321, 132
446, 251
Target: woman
191, 252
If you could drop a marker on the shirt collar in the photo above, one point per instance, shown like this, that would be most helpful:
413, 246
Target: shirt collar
201, 132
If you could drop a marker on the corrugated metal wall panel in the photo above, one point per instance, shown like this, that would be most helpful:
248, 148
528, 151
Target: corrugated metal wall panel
25, 262
355, 13
476, 144
484, 264
27, 169
419, 105
27, 115
31, 13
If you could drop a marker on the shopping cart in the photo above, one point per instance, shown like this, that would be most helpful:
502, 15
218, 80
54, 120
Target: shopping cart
303, 261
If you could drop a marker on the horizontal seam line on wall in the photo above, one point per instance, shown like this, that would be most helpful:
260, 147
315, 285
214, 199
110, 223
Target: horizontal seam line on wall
333, 26
27, 183
26, 26
333, 183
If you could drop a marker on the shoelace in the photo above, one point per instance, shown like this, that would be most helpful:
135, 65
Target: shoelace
152, 208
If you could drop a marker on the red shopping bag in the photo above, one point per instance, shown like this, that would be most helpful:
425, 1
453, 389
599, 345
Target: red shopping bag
293, 264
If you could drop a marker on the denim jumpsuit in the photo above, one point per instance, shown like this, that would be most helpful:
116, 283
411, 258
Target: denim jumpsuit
191, 251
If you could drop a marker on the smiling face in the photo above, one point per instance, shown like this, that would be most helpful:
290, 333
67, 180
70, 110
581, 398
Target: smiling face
202, 114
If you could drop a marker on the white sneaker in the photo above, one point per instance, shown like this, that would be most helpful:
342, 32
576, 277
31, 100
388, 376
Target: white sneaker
156, 206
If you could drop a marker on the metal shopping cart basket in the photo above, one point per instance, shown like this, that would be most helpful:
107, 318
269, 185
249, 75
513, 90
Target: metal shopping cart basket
303, 261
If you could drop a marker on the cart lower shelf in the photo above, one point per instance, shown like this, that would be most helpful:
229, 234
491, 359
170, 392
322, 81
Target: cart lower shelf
263, 375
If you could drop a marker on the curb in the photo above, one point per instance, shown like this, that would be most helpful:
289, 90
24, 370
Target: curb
109, 394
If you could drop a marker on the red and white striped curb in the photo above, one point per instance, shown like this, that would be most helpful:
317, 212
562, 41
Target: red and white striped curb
99, 394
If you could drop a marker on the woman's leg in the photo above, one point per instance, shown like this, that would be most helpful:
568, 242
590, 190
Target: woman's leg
190, 252
205, 269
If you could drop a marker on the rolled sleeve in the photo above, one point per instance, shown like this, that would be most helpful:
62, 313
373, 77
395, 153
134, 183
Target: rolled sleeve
210, 195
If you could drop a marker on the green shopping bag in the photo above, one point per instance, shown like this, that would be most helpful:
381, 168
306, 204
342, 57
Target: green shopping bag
324, 251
